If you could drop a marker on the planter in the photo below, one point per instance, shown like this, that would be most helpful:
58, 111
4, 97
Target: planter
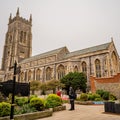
117, 108
84, 102
59, 108
109, 107
30, 116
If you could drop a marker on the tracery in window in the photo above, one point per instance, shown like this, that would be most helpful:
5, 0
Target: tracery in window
22, 76
29, 75
22, 37
114, 62
38, 74
61, 71
48, 73
98, 68
75, 69
84, 67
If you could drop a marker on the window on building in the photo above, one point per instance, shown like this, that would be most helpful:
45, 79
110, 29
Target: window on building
24, 40
8, 53
48, 73
22, 76
21, 36
84, 67
61, 71
114, 63
98, 68
38, 74
22, 54
10, 39
25, 75
29, 75
75, 69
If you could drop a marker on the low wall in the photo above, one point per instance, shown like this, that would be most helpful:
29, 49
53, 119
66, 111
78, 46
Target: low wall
36, 115
111, 84
30, 116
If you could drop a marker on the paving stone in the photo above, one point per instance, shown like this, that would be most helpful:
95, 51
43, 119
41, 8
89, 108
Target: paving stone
83, 112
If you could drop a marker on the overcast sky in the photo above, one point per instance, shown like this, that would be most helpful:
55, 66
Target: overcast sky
77, 24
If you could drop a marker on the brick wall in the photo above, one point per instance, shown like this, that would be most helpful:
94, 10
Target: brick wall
111, 84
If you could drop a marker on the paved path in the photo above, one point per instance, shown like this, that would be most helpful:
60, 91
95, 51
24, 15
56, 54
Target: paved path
83, 112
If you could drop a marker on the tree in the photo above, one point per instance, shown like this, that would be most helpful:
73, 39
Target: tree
76, 80
43, 88
53, 84
34, 85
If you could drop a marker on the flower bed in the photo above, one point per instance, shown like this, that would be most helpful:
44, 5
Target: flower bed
59, 108
30, 116
84, 102
36, 115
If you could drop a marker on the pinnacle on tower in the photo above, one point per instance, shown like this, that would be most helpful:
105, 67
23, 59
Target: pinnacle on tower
10, 18
17, 14
112, 39
30, 19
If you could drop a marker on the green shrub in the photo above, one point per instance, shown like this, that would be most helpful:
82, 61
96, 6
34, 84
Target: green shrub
37, 103
94, 96
52, 101
90, 97
112, 97
20, 101
4, 109
25, 109
1, 97
106, 95
83, 97
32, 96
100, 92
10, 97
98, 99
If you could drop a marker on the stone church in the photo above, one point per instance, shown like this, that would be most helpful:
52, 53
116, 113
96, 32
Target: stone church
99, 61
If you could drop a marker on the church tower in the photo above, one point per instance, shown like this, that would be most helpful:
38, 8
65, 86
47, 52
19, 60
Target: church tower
18, 41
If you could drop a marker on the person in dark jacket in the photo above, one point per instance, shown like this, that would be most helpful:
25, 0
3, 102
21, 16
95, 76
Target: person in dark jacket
72, 98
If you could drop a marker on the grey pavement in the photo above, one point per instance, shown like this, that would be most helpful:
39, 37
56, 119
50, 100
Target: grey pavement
83, 112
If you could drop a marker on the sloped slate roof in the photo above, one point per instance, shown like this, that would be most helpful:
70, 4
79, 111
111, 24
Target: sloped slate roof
88, 50
71, 54
43, 55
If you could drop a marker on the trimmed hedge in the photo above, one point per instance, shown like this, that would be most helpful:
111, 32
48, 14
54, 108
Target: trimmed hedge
20, 101
4, 109
52, 101
37, 103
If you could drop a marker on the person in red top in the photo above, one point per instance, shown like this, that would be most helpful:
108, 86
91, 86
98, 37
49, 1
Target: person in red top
58, 92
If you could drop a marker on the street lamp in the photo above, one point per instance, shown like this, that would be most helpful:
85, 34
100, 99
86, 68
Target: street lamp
13, 92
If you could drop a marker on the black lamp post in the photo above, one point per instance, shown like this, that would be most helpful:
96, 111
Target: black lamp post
13, 92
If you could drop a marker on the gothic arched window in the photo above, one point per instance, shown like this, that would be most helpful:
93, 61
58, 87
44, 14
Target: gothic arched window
21, 36
114, 63
22, 76
38, 74
75, 69
10, 39
25, 75
98, 68
48, 73
61, 71
84, 67
24, 37
29, 75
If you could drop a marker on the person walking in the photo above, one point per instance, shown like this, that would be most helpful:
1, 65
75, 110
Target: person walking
59, 93
72, 98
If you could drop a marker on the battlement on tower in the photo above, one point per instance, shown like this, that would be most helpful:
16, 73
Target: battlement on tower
18, 18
